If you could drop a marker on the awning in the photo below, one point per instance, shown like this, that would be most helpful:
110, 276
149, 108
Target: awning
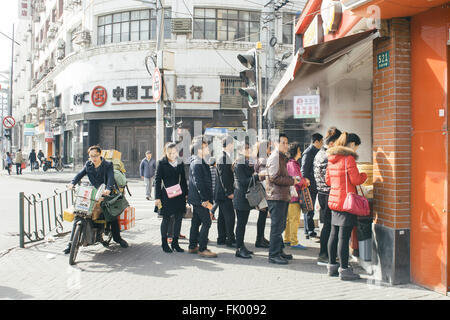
314, 58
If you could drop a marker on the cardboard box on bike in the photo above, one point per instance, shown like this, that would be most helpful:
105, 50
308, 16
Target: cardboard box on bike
111, 154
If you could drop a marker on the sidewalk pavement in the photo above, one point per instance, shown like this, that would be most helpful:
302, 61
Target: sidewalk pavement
144, 271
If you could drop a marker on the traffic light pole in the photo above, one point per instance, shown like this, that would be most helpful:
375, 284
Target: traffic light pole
160, 126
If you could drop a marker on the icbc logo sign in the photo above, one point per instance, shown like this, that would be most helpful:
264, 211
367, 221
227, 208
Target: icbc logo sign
99, 96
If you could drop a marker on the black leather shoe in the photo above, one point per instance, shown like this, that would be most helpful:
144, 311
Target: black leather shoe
266, 241
246, 250
123, 243
286, 256
241, 253
230, 244
67, 249
278, 260
261, 244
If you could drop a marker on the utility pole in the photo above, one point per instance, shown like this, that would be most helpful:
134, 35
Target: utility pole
160, 126
269, 10
11, 86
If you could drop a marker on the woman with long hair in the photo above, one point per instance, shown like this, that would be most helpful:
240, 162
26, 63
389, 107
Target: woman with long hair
342, 176
261, 153
169, 173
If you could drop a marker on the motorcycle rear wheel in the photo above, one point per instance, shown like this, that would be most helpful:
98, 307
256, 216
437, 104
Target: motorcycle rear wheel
75, 244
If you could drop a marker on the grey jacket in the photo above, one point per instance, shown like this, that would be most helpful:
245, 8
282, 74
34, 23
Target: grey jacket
147, 168
320, 170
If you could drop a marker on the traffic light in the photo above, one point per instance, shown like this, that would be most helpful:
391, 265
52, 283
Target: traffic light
250, 76
8, 134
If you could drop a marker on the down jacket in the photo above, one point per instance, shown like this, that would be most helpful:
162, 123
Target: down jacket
278, 181
336, 177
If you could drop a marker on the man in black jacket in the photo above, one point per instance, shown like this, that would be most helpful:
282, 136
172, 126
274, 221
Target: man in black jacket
99, 171
224, 194
201, 197
308, 172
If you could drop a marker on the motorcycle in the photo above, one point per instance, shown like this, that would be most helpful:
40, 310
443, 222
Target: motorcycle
54, 163
87, 231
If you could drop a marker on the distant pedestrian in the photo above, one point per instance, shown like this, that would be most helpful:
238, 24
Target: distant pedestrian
224, 194
308, 172
244, 174
262, 153
342, 176
41, 157
18, 161
9, 162
170, 173
323, 192
294, 210
32, 158
278, 196
201, 198
147, 171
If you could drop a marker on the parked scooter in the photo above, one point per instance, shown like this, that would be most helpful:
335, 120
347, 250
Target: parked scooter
54, 163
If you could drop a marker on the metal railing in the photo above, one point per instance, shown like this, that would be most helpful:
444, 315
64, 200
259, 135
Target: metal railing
38, 217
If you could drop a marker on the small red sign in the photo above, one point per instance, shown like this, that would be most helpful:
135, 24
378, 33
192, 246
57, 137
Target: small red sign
99, 96
9, 122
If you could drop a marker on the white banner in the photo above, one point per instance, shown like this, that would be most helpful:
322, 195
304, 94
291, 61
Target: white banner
306, 107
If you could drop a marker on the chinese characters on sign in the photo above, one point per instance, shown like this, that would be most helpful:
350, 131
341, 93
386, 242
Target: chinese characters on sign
306, 107
99, 94
24, 9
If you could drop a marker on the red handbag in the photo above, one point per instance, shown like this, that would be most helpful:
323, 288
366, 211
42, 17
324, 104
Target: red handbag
23, 165
354, 203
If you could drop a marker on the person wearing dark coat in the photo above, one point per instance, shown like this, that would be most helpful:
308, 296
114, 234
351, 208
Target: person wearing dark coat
41, 157
170, 172
32, 158
308, 172
99, 171
244, 174
201, 198
224, 195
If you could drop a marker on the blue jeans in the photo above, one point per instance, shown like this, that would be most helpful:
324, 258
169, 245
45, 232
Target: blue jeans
309, 216
278, 214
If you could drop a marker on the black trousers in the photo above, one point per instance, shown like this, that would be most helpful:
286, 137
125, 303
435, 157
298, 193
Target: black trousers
200, 217
338, 244
171, 222
18, 168
261, 224
242, 219
309, 216
325, 218
278, 214
32, 164
226, 221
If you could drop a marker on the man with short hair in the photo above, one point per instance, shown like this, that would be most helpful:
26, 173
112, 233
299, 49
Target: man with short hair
201, 197
278, 196
147, 171
308, 172
224, 194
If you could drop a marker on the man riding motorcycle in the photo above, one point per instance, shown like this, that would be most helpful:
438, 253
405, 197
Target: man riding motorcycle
99, 171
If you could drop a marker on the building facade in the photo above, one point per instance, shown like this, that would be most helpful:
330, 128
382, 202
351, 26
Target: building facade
86, 82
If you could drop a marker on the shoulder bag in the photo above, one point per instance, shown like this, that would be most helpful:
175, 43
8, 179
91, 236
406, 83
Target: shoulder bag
354, 203
173, 191
255, 193
112, 206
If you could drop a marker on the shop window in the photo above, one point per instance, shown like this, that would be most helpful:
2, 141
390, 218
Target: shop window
226, 25
131, 26
288, 28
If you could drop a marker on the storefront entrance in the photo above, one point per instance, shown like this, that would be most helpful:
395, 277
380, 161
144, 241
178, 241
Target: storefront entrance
131, 140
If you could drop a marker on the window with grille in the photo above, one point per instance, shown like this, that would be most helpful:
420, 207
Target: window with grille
226, 25
230, 97
131, 26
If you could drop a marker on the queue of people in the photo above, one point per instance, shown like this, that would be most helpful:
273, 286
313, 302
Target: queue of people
326, 169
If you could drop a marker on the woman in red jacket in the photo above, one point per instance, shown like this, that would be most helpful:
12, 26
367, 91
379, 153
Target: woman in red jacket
342, 176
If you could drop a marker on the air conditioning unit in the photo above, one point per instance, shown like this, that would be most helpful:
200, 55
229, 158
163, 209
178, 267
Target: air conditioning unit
36, 18
40, 7
52, 64
33, 98
82, 38
61, 44
181, 25
46, 71
60, 54
33, 84
49, 85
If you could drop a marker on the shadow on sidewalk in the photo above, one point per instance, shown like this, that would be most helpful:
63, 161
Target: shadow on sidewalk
11, 293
